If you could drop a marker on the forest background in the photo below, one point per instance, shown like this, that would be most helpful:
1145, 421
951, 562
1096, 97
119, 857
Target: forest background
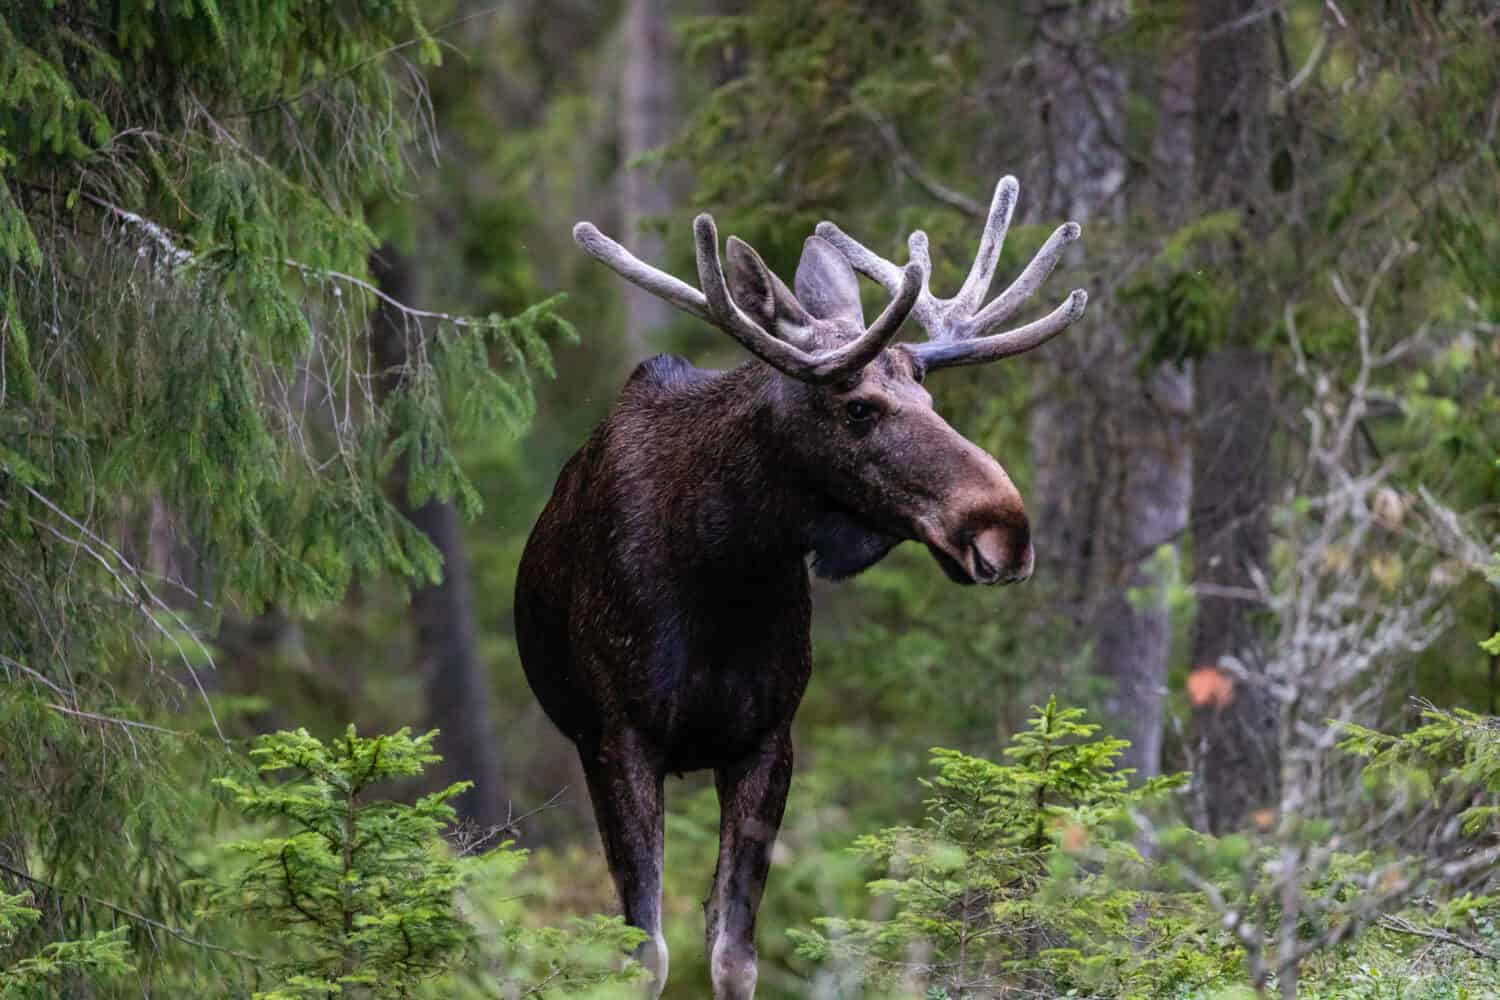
295, 341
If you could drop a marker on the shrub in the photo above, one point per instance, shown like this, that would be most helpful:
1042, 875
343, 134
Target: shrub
362, 896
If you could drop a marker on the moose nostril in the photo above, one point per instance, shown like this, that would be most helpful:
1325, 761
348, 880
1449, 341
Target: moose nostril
1001, 554
984, 570
990, 553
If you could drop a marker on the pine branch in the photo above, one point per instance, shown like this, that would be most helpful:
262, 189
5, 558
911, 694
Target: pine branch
157, 234
87, 542
169, 243
128, 914
403, 308
374, 57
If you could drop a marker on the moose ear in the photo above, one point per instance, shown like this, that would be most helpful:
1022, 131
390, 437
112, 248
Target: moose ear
760, 293
826, 284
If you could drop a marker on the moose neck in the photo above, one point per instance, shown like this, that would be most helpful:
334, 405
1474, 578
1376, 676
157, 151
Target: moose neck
746, 505
739, 506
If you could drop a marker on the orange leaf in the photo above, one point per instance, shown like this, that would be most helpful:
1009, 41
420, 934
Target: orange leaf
1210, 686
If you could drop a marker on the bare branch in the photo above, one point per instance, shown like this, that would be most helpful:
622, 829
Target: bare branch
1401, 925
139, 918
918, 175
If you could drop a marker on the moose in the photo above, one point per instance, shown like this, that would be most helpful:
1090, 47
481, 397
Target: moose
662, 605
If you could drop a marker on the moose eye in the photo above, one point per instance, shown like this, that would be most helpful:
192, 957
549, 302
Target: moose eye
859, 411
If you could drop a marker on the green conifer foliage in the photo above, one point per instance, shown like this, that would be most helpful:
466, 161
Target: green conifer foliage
190, 421
344, 892
983, 894
1027, 877
360, 891
63, 962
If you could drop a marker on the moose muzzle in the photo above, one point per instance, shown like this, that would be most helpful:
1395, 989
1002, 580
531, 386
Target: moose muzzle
981, 534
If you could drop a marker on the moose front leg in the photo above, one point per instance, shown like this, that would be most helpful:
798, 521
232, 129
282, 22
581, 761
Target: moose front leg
752, 797
625, 785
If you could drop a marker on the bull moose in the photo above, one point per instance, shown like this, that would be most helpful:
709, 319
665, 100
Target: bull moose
662, 602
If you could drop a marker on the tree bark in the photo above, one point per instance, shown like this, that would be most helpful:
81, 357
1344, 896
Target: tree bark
646, 122
1112, 459
1133, 622
1082, 99
458, 692
1231, 485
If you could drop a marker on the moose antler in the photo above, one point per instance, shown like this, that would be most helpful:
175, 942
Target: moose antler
717, 307
959, 332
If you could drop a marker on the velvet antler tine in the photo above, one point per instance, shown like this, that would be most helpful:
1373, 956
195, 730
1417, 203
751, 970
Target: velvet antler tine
959, 332
977, 284
919, 253
927, 310
821, 368
1036, 272
659, 283
725, 314
880, 333
711, 269
716, 305
945, 354
861, 258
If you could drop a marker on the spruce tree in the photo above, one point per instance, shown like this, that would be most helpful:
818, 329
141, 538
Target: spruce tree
189, 422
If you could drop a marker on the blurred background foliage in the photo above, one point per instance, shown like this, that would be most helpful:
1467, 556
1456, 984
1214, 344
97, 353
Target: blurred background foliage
231, 472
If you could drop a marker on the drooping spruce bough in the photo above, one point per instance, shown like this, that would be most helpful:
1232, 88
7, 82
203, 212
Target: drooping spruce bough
190, 423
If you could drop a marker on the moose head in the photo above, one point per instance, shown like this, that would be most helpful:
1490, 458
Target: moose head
663, 610
852, 422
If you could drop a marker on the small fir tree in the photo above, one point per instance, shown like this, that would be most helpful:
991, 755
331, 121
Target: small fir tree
360, 890
364, 898
982, 893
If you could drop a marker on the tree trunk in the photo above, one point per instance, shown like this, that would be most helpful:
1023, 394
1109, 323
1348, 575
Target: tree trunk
645, 191
1081, 99
1133, 622
1112, 459
1235, 735
458, 694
